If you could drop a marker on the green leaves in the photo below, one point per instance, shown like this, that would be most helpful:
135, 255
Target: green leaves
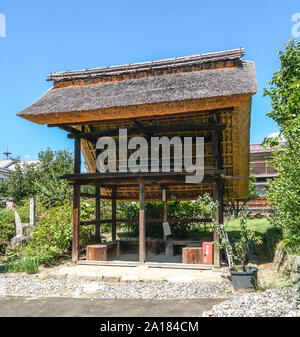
203, 207
284, 190
40, 180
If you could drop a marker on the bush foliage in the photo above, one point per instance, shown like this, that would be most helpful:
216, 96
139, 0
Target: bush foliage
201, 208
7, 228
52, 236
284, 190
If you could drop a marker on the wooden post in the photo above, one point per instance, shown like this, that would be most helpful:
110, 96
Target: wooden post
98, 214
114, 214
76, 202
218, 195
76, 223
77, 155
142, 226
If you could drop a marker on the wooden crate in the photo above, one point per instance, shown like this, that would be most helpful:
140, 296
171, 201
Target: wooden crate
192, 255
99, 252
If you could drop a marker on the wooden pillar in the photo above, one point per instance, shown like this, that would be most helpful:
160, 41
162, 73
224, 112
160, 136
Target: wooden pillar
114, 214
98, 214
142, 226
218, 195
76, 202
76, 223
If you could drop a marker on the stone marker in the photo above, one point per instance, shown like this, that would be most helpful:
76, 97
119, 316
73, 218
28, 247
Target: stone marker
32, 213
19, 230
19, 226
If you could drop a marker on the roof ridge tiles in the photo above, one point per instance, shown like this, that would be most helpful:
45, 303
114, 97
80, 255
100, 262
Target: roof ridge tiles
149, 65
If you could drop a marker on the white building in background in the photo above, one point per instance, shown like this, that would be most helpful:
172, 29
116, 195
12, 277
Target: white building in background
8, 166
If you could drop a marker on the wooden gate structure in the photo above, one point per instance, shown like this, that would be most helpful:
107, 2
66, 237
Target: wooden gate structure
207, 95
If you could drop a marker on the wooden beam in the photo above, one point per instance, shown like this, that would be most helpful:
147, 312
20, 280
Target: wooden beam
148, 131
105, 197
142, 226
122, 175
114, 214
178, 220
144, 118
76, 223
69, 129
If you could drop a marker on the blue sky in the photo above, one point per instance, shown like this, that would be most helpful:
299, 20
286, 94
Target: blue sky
48, 36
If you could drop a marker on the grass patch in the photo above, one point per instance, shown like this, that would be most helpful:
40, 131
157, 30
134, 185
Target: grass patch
25, 264
259, 226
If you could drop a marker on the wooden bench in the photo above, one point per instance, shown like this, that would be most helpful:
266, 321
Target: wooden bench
99, 252
170, 244
132, 246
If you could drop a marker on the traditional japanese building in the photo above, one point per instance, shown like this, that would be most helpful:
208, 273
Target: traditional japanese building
206, 95
259, 157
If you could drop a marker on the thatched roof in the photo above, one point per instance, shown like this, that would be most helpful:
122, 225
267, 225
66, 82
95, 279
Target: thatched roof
161, 95
225, 75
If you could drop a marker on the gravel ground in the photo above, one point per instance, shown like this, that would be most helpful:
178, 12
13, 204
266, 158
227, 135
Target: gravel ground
279, 302
33, 286
270, 303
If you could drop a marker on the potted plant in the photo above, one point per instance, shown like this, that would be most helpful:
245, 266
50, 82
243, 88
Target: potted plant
242, 276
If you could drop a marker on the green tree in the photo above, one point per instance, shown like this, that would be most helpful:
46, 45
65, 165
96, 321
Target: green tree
284, 190
20, 184
40, 180
53, 164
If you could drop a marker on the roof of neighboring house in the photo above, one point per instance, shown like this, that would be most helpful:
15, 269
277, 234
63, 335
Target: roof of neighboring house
10, 165
4, 171
197, 77
257, 148
5, 163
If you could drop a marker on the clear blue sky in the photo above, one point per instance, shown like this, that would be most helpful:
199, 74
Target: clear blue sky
48, 36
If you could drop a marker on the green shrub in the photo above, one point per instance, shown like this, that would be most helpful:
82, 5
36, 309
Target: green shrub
273, 236
176, 209
24, 209
7, 228
52, 236
25, 264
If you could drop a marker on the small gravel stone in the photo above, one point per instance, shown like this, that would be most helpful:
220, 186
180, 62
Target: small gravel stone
22, 285
279, 302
